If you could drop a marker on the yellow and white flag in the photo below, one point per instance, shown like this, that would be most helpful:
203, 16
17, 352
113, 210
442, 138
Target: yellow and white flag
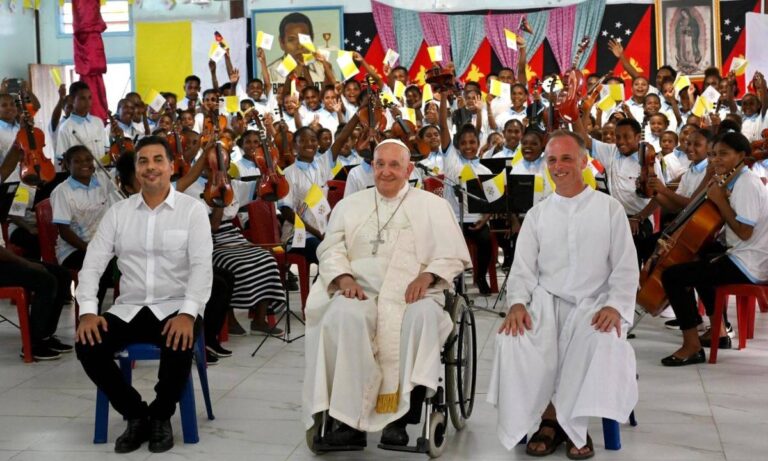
216, 52
287, 66
607, 103
435, 53
264, 40
399, 89
467, 174
308, 58
306, 42
336, 168
427, 94
511, 39
616, 91
738, 66
501, 89
299, 233
408, 114
318, 205
494, 187
156, 100
391, 57
294, 90
347, 64
681, 82
232, 104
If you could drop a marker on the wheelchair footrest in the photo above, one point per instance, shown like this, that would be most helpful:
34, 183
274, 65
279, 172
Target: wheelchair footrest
322, 446
420, 447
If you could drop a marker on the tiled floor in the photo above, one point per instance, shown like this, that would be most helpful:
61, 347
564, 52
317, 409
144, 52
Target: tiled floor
707, 412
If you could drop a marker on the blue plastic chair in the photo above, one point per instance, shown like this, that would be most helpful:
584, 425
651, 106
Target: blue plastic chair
611, 433
144, 351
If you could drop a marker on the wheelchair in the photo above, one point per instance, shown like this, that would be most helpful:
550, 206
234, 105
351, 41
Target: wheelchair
454, 397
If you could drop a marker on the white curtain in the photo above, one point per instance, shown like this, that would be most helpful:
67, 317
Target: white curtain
757, 52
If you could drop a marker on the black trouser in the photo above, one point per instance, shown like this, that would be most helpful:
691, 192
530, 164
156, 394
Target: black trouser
75, 262
482, 240
418, 394
218, 304
99, 364
704, 276
644, 241
50, 289
26, 241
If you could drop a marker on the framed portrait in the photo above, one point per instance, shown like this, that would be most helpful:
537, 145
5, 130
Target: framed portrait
688, 35
325, 25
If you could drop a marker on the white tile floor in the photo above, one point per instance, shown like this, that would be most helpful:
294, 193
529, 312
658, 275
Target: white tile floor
706, 412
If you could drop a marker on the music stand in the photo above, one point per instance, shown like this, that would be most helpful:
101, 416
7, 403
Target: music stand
343, 173
7, 193
496, 165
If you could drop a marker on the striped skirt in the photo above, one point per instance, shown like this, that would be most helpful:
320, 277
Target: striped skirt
257, 277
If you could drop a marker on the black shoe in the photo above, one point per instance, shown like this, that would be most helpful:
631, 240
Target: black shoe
483, 287
135, 434
292, 282
160, 435
40, 352
394, 434
217, 349
235, 329
673, 361
54, 344
673, 324
345, 436
724, 343
211, 358
506, 264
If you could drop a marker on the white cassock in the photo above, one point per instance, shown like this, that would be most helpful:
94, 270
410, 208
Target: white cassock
573, 257
363, 358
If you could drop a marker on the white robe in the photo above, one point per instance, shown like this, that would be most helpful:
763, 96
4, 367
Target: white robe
364, 355
573, 257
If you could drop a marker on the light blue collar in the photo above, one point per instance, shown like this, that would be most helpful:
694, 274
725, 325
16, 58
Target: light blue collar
738, 175
75, 184
248, 162
701, 166
534, 163
367, 167
6, 125
305, 166
679, 153
474, 162
78, 119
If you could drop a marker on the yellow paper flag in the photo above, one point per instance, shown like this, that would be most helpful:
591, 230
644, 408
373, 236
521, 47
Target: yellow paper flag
511, 39
494, 187
606, 104
699, 107
306, 42
347, 64
616, 91
427, 94
682, 82
435, 53
232, 104
308, 58
467, 174
501, 89
314, 196
399, 89
56, 76
286, 66
409, 114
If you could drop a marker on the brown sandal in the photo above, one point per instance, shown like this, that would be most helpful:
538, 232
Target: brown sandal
550, 442
570, 445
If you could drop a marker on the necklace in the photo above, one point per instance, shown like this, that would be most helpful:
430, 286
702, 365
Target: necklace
379, 228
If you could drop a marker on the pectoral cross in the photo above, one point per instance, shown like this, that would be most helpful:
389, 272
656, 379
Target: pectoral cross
375, 242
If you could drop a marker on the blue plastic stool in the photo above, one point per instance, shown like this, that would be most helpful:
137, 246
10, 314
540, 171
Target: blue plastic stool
144, 351
611, 433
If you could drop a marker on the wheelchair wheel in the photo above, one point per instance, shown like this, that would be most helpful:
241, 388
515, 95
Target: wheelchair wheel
436, 434
460, 371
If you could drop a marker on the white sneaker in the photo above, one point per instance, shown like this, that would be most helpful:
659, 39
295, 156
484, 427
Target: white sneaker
668, 313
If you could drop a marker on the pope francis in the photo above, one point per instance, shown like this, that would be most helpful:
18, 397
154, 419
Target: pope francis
375, 318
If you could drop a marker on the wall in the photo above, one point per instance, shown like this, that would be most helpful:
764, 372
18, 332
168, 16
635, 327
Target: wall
17, 34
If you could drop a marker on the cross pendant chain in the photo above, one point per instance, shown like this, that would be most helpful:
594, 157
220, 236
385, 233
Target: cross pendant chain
375, 242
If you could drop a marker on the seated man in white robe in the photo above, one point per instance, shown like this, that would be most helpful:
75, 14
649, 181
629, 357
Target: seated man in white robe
375, 319
561, 353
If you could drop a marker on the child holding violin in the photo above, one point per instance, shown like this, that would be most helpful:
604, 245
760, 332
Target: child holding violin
78, 205
121, 133
81, 128
743, 203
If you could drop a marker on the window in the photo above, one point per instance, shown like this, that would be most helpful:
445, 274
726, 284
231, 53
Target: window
116, 14
117, 81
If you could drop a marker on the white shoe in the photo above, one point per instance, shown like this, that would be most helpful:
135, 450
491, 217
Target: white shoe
668, 313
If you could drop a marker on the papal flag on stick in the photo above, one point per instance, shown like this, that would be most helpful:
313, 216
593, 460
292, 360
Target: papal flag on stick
494, 187
299, 233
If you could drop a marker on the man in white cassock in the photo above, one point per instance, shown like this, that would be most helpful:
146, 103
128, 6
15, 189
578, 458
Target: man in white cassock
561, 354
375, 319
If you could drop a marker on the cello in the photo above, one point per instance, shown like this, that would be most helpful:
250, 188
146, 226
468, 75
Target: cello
272, 185
680, 242
35, 167
568, 106
218, 191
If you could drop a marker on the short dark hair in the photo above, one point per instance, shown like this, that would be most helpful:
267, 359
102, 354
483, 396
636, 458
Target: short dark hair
209, 91
735, 141
295, 18
254, 80
728, 124
168, 94
513, 121
399, 68
192, 78
669, 68
301, 131
126, 167
67, 157
630, 122
519, 85
154, 140
77, 87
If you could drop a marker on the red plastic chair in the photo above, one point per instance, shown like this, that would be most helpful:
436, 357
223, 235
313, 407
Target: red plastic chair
19, 297
747, 295
47, 233
494, 283
264, 231
335, 191
657, 220
433, 185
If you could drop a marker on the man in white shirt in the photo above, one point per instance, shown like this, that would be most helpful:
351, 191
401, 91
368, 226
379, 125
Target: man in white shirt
563, 347
163, 245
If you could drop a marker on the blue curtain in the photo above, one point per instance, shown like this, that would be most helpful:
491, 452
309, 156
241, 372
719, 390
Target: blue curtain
589, 17
409, 35
467, 33
538, 22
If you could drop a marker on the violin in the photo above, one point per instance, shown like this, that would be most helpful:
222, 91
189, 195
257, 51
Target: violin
211, 129
647, 163
272, 185
218, 191
283, 139
178, 144
405, 131
36, 168
568, 107
120, 144
372, 119
593, 94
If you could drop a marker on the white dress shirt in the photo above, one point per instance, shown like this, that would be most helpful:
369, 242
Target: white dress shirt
164, 256
76, 130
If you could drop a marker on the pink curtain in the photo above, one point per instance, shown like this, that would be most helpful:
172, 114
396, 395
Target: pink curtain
90, 60
560, 30
494, 27
385, 26
437, 31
